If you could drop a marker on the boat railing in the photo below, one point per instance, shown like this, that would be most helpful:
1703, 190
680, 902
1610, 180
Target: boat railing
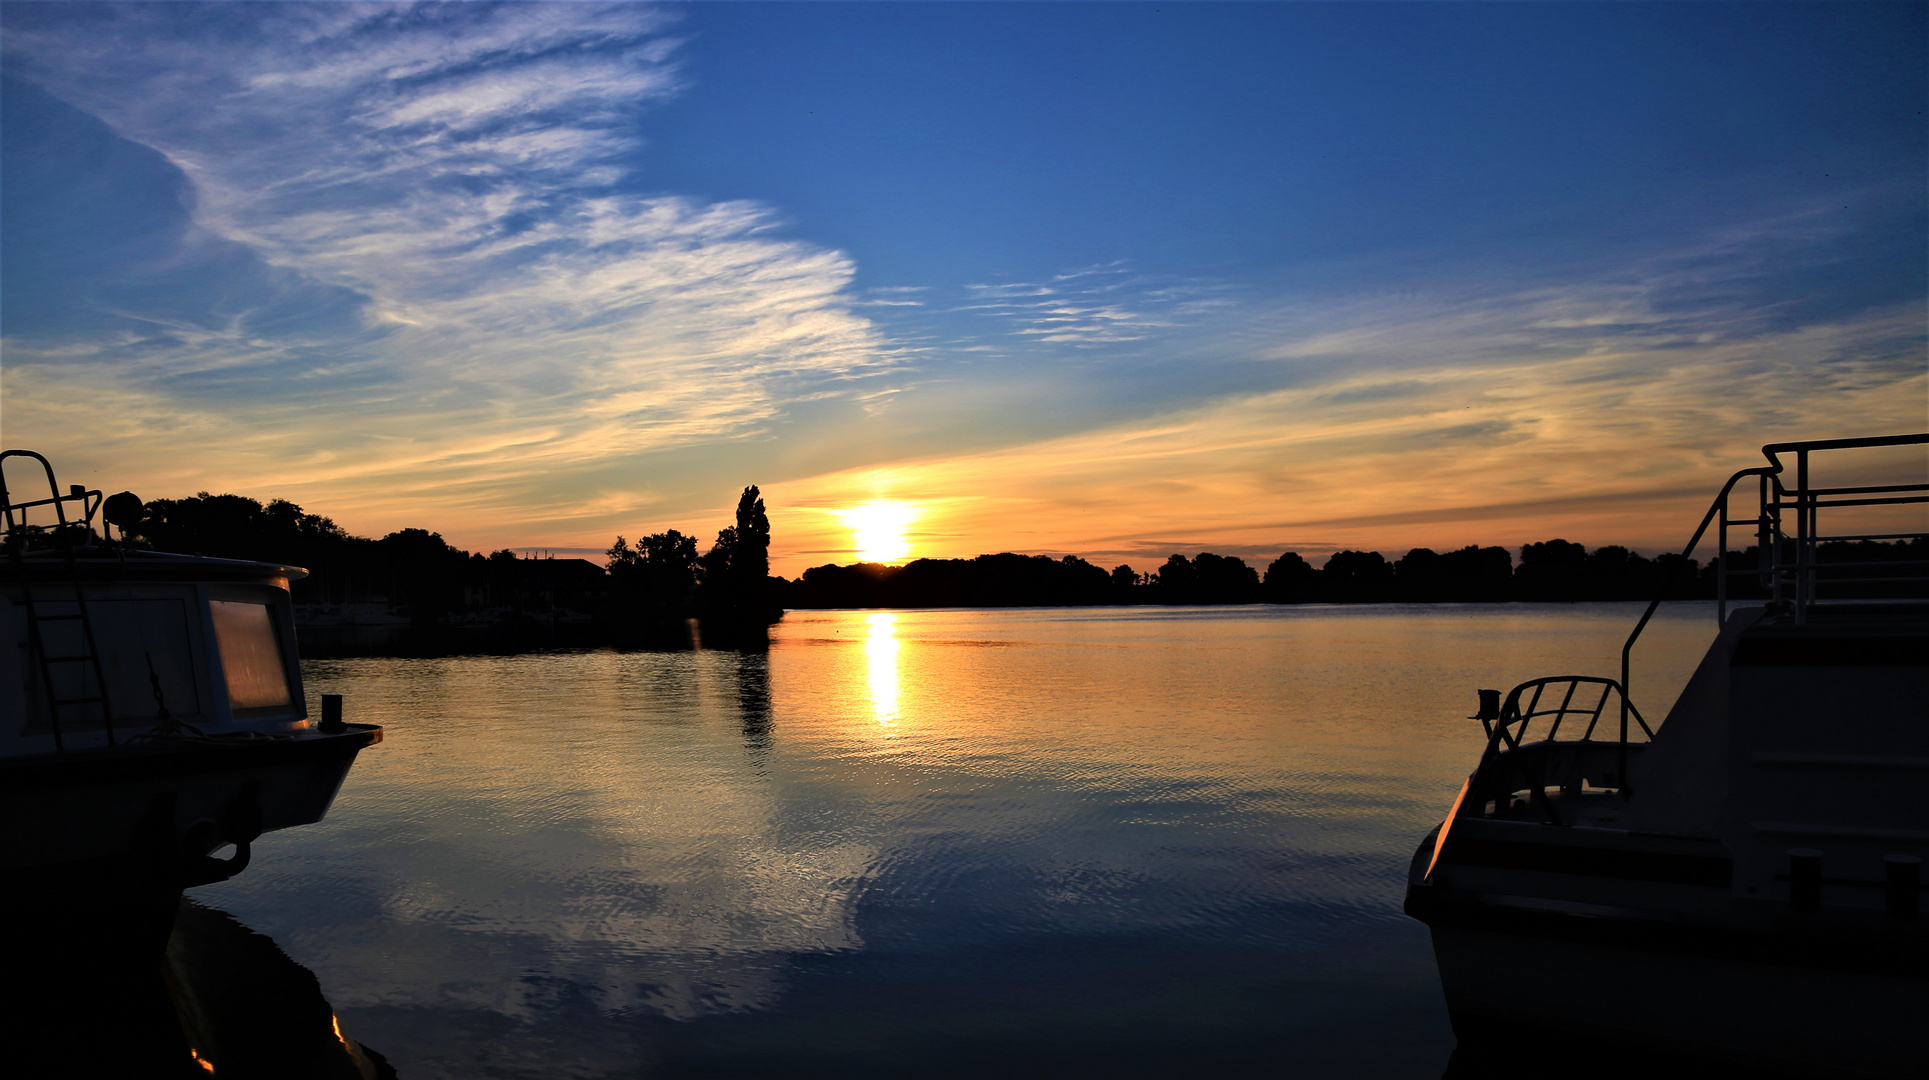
1515, 760
1556, 698
1525, 748
20, 529
1790, 563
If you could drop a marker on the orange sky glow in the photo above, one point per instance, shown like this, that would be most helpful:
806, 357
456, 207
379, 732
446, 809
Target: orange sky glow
1251, 476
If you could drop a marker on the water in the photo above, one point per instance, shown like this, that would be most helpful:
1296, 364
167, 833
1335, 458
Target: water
1092, 842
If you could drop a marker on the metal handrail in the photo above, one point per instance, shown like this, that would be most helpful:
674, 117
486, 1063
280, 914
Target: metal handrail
1508, 732
1718, 508
1513, 712
1802, 576
1511, 727
17, 528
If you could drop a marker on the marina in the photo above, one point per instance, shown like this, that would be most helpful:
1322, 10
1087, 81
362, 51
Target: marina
1112, 540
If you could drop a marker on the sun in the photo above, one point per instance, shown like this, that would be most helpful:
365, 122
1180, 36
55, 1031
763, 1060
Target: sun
877, 529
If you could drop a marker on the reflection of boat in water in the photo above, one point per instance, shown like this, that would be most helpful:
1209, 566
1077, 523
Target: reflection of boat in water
152, 724
249, 1010
1745, 884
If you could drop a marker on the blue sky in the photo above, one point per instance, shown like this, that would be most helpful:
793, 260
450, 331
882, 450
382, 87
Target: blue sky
1111, 280
951, 142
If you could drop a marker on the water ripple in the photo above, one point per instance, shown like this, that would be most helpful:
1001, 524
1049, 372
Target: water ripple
1048, 828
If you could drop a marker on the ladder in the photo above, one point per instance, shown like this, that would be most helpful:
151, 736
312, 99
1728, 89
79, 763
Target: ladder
17, 534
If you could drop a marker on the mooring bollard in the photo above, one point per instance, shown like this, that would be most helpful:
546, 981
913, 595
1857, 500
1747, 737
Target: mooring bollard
331, 720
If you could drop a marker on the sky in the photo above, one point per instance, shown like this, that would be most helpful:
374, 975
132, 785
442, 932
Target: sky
1110, 280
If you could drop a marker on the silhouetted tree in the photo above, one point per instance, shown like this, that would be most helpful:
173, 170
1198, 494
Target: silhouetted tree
1472, 573
1177, 582
1420, 575
1476, 573
1615, 573
1083, 582
1291, 580
752, 560
1224, 579
654, 581
1676, 578
425, 573
736, 569
619, 556
669, 560
1357, 577
1552, 570
237, 527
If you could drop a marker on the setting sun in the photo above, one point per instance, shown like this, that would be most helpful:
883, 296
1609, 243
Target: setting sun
877, 529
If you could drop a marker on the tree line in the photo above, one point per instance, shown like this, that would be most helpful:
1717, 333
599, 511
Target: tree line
419, 574
664, 578
1552, 570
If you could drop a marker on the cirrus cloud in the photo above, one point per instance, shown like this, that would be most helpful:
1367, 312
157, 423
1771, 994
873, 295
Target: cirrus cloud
397, 255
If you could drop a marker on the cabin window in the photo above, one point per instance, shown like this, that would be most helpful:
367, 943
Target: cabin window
250, 655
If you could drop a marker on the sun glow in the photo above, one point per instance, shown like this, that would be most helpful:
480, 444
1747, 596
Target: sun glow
877, 529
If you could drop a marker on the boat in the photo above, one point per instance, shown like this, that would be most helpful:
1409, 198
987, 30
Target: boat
151, 708
153, 727
1740, 883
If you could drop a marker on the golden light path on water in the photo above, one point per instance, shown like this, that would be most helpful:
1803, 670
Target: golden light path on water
881, 654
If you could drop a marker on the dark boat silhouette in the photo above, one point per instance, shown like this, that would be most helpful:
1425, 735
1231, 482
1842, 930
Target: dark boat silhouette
1741, 882
152, 727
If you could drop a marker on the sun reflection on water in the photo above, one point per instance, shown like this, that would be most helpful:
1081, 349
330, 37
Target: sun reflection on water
881, 651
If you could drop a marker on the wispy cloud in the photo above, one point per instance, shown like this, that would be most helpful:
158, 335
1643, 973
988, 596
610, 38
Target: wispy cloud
1105, 305
443, 175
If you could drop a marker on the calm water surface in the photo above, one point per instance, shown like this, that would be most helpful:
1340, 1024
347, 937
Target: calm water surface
1088, 842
